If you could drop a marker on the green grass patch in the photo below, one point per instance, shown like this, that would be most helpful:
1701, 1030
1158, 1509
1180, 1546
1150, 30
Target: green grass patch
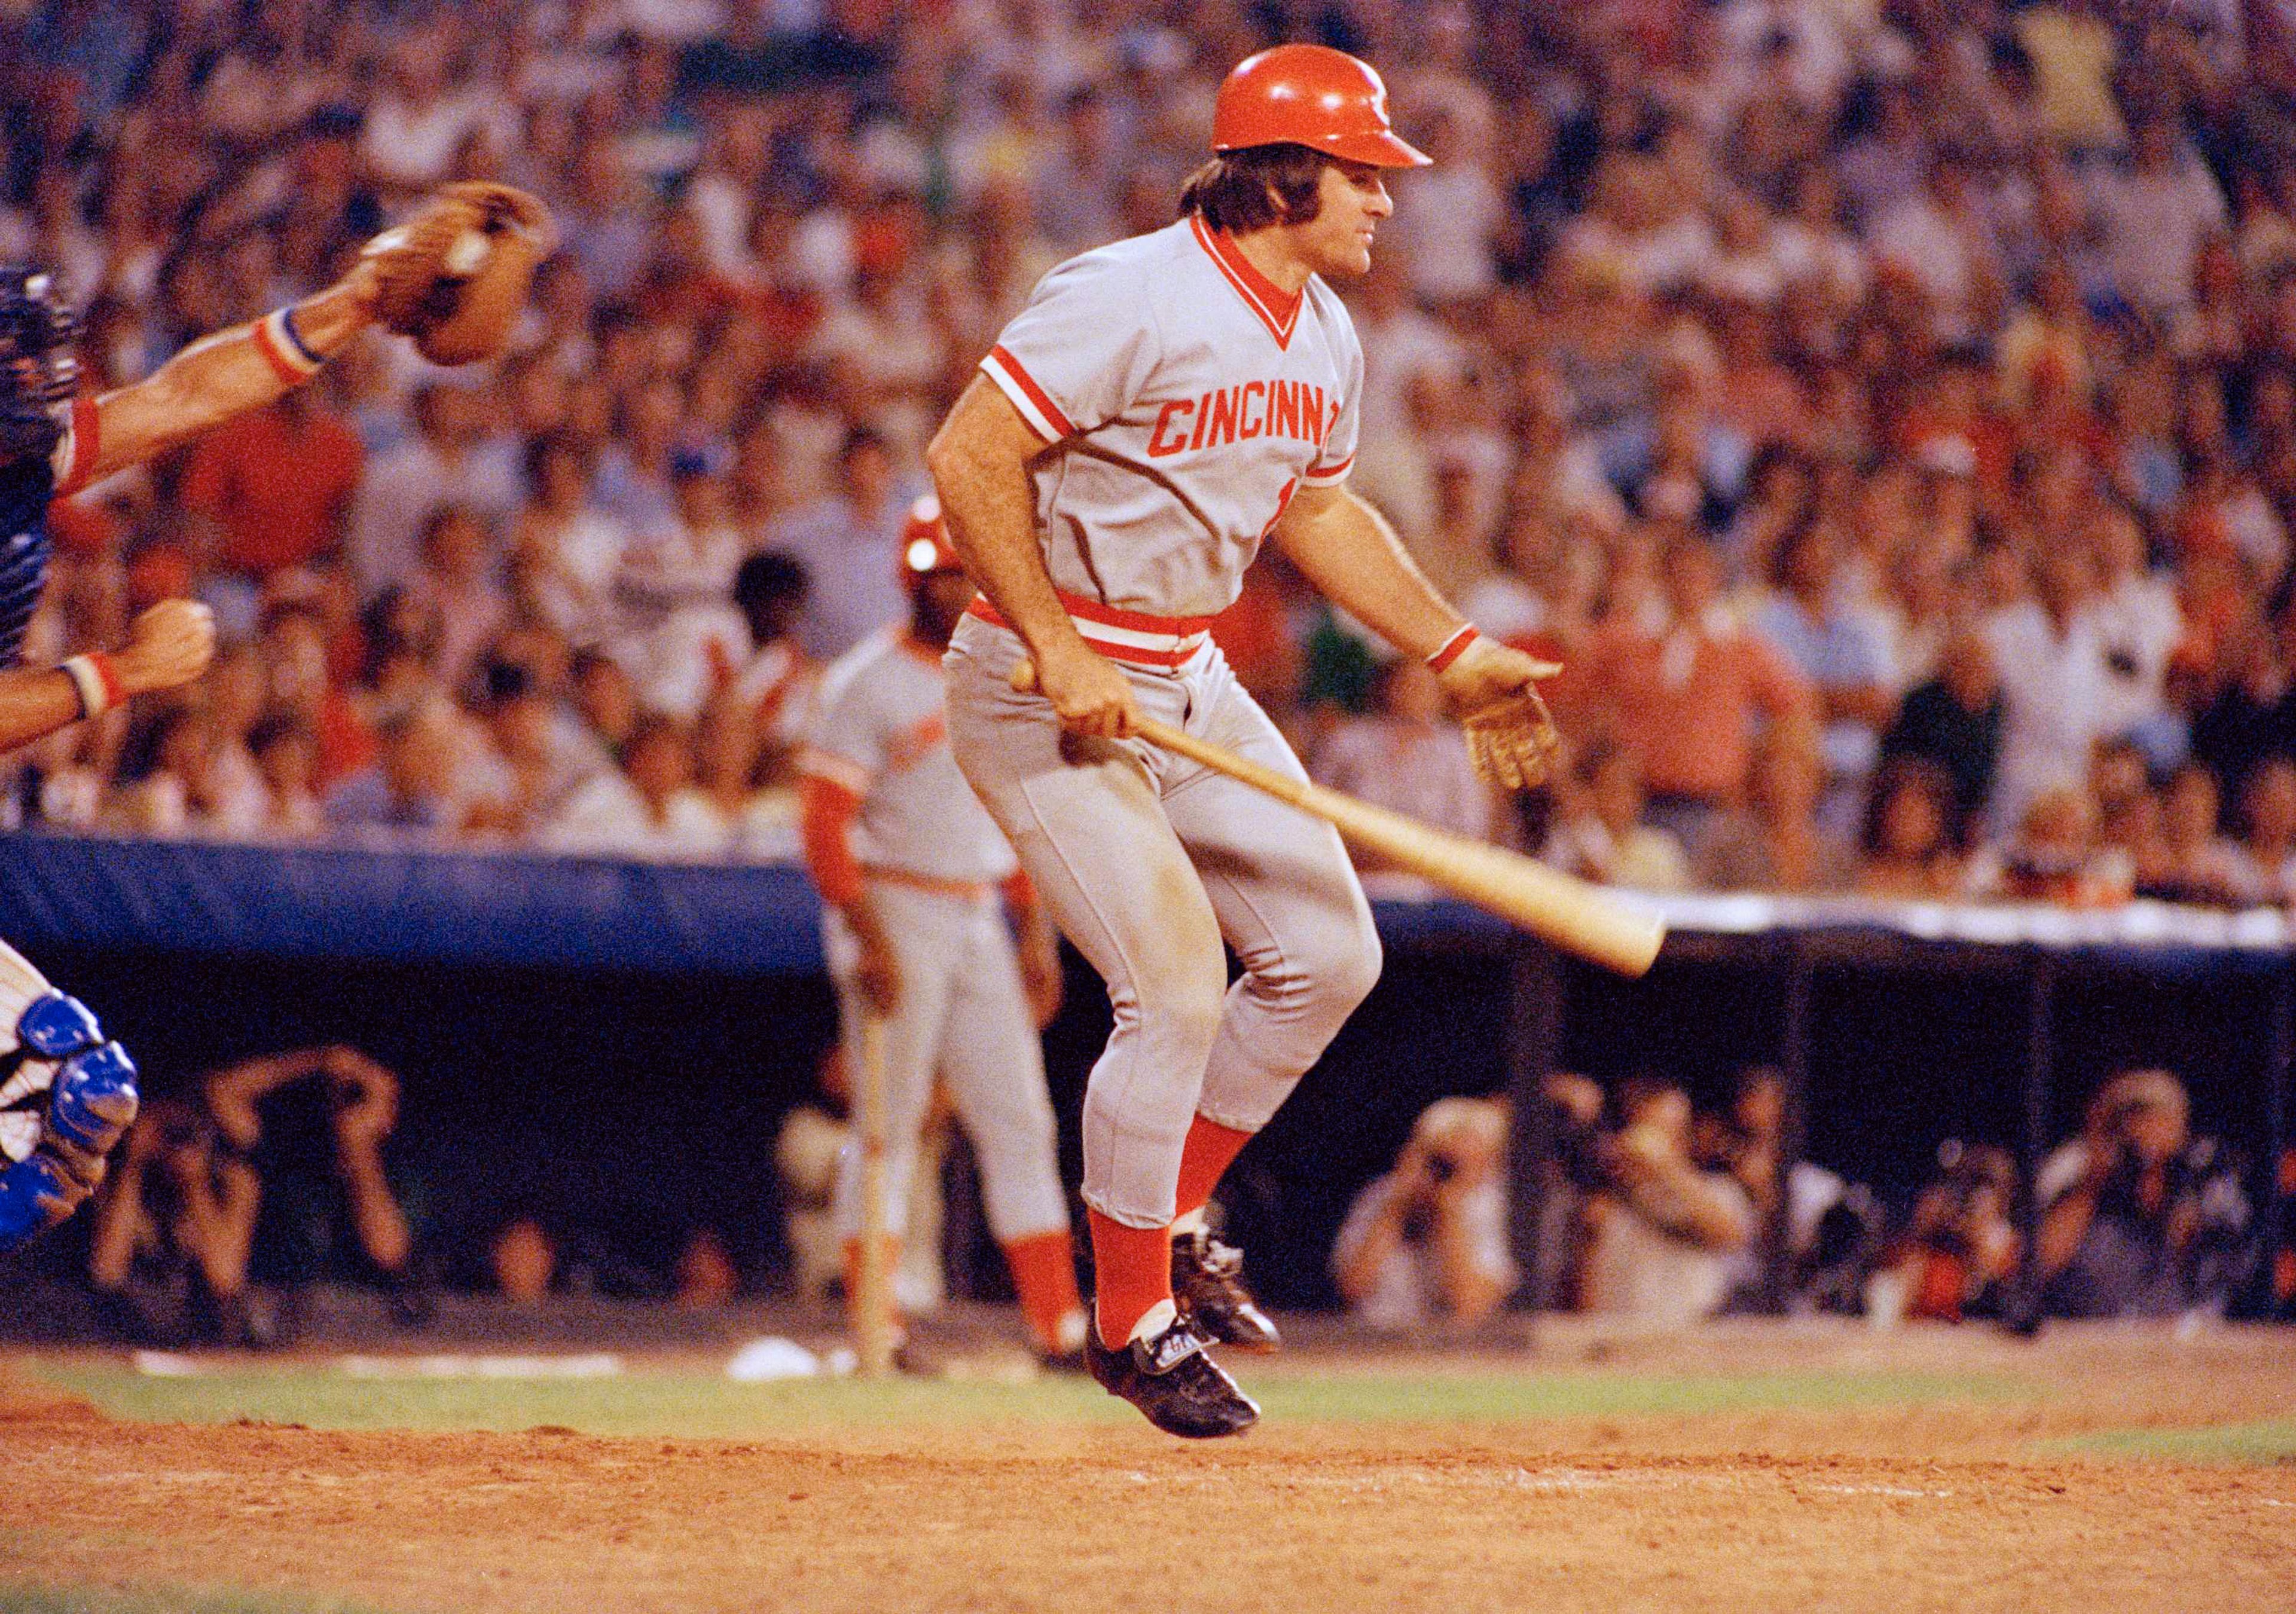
37, 1600
2271, 1440
705, 1405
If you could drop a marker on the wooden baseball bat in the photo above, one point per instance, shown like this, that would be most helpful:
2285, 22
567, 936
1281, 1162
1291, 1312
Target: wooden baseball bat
1577, 917
873, 1301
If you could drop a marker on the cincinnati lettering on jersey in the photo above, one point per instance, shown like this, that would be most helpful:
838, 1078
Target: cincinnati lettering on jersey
1232, 415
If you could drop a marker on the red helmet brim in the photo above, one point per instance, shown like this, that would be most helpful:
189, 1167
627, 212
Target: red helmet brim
1378, 147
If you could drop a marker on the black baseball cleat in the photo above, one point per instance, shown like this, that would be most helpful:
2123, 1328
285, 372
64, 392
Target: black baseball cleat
1207, 1283
1179, 1388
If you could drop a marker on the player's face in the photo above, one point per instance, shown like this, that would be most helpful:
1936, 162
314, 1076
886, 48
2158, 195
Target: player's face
1337, 239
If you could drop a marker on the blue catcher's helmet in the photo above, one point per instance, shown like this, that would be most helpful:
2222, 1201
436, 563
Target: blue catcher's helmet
38, 372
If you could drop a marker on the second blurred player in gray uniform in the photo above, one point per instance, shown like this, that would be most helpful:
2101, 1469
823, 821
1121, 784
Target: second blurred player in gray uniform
909, 866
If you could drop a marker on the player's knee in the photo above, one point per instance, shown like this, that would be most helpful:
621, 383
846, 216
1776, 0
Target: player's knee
1353, 969
1324, 979
1180, 1000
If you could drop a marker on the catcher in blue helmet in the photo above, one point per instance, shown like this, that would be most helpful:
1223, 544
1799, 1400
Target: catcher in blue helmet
452, 278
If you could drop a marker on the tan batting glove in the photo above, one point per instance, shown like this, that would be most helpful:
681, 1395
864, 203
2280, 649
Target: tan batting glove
1493, 689
169, 645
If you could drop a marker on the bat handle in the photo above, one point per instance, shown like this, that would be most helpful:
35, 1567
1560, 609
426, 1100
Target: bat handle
1221, 760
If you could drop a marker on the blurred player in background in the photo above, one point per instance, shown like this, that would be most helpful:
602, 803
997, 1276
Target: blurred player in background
1160, 408
66, 1094
909, 866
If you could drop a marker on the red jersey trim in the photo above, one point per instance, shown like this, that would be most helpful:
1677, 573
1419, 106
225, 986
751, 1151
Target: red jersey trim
1323, 476
86, 434
1035, 403
1278, 310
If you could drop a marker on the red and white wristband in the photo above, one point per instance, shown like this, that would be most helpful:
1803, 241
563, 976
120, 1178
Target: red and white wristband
97, 682
1454, 647
283, 349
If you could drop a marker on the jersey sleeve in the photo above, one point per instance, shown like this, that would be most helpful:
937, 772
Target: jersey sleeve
845, 743
1337, 457
1080, 352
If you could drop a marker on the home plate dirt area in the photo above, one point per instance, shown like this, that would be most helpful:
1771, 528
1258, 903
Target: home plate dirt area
1780, 1466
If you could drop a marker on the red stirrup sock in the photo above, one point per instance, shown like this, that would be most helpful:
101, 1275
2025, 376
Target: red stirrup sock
1043, 1273
1132, 1273
1211, 1150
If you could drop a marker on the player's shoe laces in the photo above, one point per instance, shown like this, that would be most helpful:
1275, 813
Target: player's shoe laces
1179, 1388
1207, 1284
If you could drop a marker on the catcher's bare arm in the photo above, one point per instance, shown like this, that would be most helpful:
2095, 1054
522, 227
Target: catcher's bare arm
452, 277
230, 373
1349, 553
169, 646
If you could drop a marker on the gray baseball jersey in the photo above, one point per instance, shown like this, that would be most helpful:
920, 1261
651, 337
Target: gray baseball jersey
1197, 398
881, 731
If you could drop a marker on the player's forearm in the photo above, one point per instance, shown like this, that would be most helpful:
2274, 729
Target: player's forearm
170, 647
1472, 1293
34, 704
2062, 1228
232, 1092
978, 462
112, 1245
381, 1224
1353, 557
225, 374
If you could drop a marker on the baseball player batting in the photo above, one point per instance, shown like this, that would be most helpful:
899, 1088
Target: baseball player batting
67, 1094
1160, 407
909, 868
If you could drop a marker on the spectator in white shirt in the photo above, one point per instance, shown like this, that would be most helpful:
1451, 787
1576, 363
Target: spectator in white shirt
452, 459
850, 545
682, 637
2155, 218
650, 808
1940, 238
2138, 627
2052, 677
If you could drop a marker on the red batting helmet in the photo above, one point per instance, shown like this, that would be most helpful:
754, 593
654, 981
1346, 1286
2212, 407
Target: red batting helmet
925, 548
1315, 97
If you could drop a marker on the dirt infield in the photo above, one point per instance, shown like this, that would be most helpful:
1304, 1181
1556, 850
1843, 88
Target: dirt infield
1936, 1502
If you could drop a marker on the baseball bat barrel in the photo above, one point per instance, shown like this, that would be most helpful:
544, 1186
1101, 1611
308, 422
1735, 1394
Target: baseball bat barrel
873, 1303
1577, 917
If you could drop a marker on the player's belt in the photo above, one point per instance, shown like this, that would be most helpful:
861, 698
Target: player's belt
1121, 635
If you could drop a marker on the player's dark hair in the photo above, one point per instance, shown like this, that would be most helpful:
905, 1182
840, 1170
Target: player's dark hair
768, 576
1240, 192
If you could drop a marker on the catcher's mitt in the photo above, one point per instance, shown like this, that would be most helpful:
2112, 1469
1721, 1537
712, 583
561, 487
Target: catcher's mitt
455, 275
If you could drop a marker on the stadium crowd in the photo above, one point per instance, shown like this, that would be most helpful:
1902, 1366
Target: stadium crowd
1886, 410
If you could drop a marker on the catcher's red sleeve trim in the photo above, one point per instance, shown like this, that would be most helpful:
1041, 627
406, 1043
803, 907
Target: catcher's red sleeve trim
825, 813
85, 434
1454, 647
